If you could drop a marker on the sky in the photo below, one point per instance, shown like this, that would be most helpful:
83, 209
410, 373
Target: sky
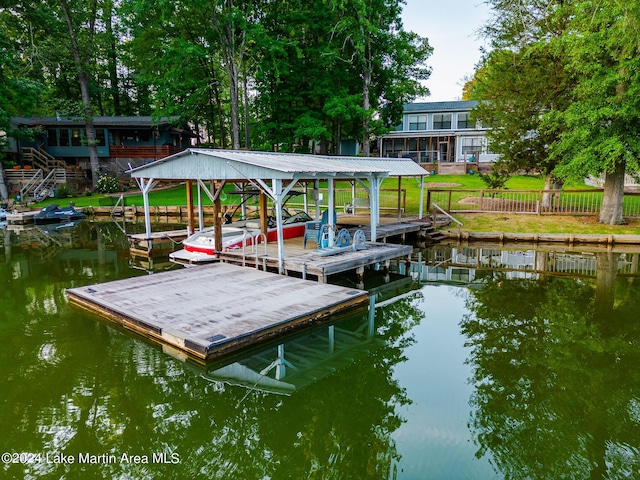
452, 29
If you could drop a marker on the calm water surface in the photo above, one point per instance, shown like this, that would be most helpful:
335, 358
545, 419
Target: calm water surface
463, 373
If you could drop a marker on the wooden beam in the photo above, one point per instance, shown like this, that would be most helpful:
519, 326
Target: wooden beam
263, 213
217, 218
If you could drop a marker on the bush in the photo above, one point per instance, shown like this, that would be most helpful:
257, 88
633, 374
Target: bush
62, 191
107, 184
498, 177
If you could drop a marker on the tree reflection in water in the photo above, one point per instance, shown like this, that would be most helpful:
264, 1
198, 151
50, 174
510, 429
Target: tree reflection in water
73, 384
555, 371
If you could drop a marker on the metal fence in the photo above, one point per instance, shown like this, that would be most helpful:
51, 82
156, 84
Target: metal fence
534, 202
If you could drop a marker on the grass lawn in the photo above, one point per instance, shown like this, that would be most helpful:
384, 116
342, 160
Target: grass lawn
471, 222
485, 222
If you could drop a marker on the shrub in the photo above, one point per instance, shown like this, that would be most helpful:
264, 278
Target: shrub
498, 177
107, 184
62, 191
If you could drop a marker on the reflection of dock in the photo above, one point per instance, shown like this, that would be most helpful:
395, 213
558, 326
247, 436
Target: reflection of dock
297, 361
461, 264
212, 310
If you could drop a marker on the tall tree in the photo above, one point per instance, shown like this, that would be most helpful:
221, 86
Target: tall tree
81, 27
520, 81
232, 21
603, 118
19, 94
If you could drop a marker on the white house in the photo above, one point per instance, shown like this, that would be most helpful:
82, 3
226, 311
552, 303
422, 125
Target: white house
440, 136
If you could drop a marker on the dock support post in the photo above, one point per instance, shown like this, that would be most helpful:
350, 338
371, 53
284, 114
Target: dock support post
399, 198
200, 209
146, 186
372, 316
387, 276
282, 363
360, 275
332, 338
420, 211
331, 208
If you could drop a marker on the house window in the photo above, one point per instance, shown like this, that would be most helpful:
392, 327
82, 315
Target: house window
417, 122
464, 121
52, 137
64, 137
442, 121
77, 135
471, 145
392, 147
100, 137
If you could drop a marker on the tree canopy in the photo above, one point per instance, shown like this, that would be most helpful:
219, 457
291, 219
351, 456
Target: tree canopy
247, 73
560, 86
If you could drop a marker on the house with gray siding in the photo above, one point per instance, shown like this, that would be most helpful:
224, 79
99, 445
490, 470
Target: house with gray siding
441, 136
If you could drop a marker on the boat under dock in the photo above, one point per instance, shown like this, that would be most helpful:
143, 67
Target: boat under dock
215, 309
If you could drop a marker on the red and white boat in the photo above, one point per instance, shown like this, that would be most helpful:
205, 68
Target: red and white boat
200, 247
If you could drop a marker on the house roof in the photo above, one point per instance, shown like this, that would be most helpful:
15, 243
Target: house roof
453, 106
210, 164
131, 121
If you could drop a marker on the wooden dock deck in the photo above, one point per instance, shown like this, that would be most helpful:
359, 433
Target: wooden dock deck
21, 217
212, 310
310, 262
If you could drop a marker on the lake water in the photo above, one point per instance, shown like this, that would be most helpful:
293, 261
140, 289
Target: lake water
481, 364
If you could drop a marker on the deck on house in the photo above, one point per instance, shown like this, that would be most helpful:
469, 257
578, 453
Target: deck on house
213, 310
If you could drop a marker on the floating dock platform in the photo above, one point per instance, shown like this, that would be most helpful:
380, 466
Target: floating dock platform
212, 310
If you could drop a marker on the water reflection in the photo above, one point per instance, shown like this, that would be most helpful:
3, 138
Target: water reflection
554, 360
76, 387
552, 341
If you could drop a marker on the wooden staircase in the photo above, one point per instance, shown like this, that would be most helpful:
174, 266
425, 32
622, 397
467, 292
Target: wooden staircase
48, 172
38, 158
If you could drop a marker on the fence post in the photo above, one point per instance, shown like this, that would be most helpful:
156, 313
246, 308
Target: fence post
539, 204
449, 206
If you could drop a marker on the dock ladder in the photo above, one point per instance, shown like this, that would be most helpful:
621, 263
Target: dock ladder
254, 248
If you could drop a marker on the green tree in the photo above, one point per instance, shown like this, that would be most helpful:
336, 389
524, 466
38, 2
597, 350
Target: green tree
327, 68
603, 117
521, 81
19, 95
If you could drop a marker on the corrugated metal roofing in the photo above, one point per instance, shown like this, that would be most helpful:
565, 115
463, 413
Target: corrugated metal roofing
458, 105
231, 164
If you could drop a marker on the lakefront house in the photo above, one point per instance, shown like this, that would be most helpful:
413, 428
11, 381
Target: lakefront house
440, 136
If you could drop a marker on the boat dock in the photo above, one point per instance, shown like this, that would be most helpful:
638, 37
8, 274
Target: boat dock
212, 310
159, 244
311, 262
21, 217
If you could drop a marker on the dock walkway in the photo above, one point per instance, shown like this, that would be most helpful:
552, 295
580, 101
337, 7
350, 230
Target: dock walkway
311, 262
212, 310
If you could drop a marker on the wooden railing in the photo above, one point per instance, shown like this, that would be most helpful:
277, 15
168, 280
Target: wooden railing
149, 152
38, 158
